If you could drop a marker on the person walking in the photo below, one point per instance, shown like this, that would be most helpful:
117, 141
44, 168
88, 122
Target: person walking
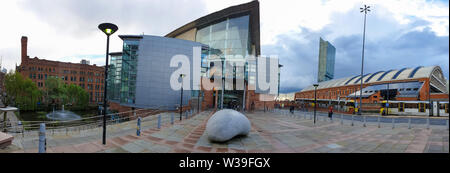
330, 112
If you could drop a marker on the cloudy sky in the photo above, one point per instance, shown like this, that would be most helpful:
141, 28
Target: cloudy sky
399, 34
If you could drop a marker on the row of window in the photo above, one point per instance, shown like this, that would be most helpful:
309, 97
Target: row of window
402, 89
65, 78
64, 71
98, 97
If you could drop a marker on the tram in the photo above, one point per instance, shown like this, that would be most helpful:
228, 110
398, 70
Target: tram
438, 108
391, 107
347, 106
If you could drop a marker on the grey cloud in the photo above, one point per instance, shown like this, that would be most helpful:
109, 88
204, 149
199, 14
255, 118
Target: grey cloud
395, 51
80, 18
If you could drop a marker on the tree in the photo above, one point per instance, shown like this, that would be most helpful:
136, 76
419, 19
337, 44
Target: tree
77, 96
22, 92
57, 92
54, 91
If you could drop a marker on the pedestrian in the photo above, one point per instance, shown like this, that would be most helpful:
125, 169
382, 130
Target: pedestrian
330, 113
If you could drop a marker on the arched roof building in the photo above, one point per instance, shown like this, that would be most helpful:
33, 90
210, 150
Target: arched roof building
416, 79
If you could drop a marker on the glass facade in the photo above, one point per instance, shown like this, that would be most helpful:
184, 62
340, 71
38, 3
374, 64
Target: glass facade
114, 77
327, 54
129, 71
227, 39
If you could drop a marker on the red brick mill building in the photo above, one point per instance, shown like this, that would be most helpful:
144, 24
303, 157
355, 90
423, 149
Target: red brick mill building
89, 77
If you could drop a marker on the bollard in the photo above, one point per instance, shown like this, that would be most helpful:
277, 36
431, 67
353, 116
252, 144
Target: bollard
342, 119
138, 128
447, 124
409, 123
352, 120
364, 124
159, 121
42, 140
171, 118
393, 123
379, 122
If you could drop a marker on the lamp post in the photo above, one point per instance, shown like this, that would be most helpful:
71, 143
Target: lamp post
315, 101
430, 105
365, 10
222, 59
181, 95
108, 29
388, 93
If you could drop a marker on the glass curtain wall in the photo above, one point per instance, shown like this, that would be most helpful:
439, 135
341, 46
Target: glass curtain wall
129, 71
225, 38
114, 74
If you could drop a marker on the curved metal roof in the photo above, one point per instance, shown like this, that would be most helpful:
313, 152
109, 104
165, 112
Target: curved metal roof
371, 76
250, 8
392, 75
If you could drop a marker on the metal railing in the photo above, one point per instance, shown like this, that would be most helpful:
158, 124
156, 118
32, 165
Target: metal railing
365, 120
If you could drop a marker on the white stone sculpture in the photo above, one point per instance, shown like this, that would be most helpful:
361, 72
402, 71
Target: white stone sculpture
226, 124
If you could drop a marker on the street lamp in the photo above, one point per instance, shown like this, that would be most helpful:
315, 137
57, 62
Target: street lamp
222, 59
365, 10
430, 105
315, 101
108, 29
181, 97
387, 102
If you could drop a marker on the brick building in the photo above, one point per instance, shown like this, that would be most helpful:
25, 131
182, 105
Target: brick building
89, 77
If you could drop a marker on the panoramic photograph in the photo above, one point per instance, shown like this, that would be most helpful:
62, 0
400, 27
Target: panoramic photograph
235, 76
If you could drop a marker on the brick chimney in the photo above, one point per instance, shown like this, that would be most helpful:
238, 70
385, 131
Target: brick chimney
24, 42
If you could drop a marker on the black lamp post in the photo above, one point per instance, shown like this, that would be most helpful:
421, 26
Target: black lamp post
181, 96
387, 105
108, 29
315, 101
365, 10
430, 105
223, 81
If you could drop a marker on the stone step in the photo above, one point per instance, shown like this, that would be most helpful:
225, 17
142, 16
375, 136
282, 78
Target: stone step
5, 140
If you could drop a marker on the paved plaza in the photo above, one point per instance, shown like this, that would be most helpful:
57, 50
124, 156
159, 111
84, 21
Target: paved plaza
278, 132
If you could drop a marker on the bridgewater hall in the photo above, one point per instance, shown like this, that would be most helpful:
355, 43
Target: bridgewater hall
407, 91
140, 75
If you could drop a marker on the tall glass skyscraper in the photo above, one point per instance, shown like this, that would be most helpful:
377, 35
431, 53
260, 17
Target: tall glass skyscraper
327, 54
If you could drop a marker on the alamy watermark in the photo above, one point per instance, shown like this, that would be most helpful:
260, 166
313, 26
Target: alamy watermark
262, 73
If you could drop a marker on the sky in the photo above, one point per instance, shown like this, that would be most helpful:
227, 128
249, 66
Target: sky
399, 33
